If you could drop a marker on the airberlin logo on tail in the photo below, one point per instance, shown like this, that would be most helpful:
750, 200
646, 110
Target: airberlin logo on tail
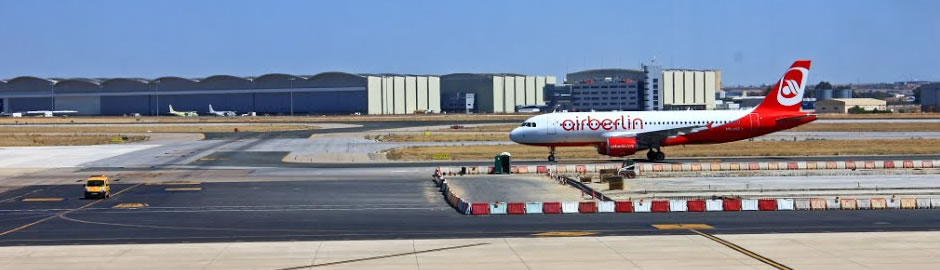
791, 86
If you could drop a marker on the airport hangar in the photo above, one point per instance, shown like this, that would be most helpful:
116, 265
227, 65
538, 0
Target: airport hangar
274, 94
324, 93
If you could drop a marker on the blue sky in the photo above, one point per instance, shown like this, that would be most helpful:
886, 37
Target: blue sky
752, 42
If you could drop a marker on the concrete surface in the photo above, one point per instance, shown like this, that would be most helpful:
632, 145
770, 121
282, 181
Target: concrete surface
512, 188
884, 250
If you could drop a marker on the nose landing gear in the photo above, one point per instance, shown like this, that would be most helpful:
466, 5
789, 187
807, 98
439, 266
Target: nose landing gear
551, 154
656, 155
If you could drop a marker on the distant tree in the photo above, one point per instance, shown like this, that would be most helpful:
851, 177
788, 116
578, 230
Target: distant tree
823, 85
857, 110
766, 90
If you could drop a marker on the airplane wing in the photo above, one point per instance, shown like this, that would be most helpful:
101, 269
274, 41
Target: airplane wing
653, 138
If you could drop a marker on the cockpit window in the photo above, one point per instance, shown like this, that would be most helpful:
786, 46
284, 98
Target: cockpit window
527, 124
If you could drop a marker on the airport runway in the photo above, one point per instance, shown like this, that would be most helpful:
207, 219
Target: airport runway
273, 159
356, 209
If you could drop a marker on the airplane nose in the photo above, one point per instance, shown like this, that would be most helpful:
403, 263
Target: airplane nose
515, 135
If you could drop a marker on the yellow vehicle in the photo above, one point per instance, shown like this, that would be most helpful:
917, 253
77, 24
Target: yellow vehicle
98, 186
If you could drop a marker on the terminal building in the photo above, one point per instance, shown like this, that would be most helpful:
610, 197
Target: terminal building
930, 97
650, 88
273, 94
493, 92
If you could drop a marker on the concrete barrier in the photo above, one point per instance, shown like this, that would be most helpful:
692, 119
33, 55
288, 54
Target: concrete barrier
767, 205
533, 208
833, 204
623, 207
587, 207
864, 204
714, 205
696, 205
848, 204
923, 203
551, 208
678, 206
893, 203
801, 204
498, 208
515, 208
606, 207
749, 205
935, 202
569, 207
463, 207
642, 206
785, 204
908, 203
580, 169
480, 208
660, 206
879, 203
731, 205
818, 204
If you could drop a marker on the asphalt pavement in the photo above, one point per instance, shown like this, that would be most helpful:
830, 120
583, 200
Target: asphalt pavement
355, 210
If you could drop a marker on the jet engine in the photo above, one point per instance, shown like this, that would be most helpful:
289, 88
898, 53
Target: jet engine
618, 147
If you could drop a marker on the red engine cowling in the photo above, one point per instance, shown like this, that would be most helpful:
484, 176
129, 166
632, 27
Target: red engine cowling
618, 147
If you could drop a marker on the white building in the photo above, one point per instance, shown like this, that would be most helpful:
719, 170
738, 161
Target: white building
690, 89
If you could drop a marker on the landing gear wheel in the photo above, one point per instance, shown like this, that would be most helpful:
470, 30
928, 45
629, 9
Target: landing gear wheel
551, 158
551, 154
651, 156
660, 156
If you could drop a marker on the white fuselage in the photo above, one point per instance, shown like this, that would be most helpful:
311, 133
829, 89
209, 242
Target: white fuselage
575, 128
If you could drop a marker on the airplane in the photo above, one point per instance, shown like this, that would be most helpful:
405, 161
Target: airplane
221, 113
51, 113
183, 114
620, 134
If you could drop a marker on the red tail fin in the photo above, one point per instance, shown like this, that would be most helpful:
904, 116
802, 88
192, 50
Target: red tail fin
787, 94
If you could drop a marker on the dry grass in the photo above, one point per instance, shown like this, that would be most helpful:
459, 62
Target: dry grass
264, 119
443, 137
147, 129
869, 127
854, 127
63, 140
880, 116
485, 128
741, 148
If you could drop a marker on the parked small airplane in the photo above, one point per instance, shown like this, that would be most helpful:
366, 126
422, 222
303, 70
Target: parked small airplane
221, 113
51, 113
621, 134
183, 114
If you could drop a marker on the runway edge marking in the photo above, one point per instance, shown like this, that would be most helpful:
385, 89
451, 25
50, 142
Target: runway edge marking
742, 250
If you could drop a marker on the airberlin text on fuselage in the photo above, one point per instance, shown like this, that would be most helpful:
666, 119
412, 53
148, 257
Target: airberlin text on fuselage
622, 123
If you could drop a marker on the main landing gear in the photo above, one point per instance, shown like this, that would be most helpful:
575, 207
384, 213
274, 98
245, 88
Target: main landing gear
656, 155
551, 154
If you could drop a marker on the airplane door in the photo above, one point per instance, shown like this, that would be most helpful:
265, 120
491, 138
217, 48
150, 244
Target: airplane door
552, 125
754, 120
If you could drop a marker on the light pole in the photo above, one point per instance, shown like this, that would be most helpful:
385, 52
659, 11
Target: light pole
292, 95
